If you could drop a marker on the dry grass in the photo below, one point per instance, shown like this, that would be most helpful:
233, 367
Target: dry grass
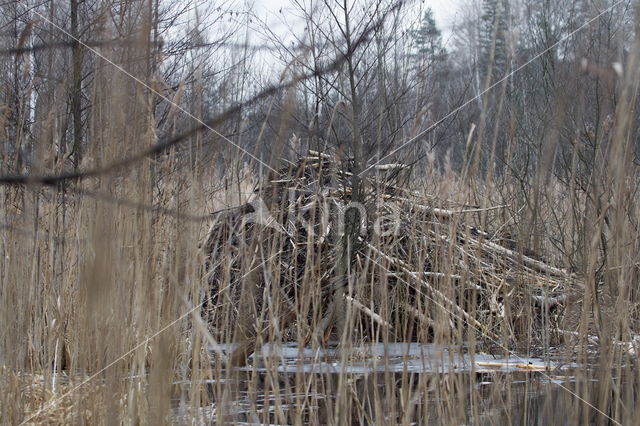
107, 312
86, 281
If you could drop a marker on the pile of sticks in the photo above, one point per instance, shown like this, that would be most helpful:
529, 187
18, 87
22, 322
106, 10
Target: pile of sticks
280, 267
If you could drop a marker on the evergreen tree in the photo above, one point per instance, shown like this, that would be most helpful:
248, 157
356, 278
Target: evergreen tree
494, 39
427, 44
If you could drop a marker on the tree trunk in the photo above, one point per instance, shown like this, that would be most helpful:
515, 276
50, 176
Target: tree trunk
76, 88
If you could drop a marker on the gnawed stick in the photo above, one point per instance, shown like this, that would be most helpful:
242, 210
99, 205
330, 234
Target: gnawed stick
377, 318
521, 366
455, 277
443, 213
437, 294
391, 166
315, 155
528, 261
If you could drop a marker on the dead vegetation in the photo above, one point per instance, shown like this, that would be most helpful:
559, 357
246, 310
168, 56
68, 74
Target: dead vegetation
413, 263
453, 202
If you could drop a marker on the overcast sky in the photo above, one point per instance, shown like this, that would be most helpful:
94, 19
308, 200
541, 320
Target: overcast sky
444, 10
280, 17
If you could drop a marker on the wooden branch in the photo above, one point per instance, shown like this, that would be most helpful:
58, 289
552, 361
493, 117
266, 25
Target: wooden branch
446, 214
436, 293
377, 318
392, 166
528, 261
528, 367
315, 155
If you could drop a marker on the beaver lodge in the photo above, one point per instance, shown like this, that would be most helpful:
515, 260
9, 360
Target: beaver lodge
310, 260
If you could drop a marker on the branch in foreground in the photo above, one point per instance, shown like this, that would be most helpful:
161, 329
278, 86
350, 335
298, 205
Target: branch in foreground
52, 180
